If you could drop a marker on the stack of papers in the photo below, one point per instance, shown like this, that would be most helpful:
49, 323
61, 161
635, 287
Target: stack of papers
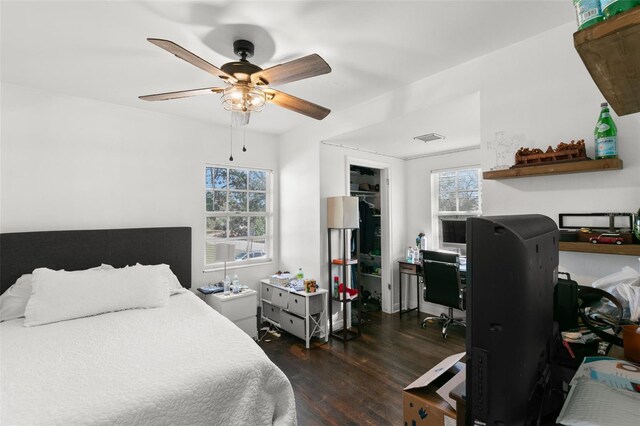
582, 336
604, 391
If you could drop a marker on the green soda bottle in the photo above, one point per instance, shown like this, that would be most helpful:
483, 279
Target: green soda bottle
613, 7
588, 12
606, 135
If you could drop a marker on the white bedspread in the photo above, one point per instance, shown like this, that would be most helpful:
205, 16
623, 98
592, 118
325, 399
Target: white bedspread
181, 364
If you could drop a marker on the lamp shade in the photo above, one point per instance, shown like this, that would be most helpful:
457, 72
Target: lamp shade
225, 252
343, 212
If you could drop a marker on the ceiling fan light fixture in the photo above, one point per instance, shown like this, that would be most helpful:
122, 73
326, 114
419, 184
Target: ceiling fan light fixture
242, 98
240, 118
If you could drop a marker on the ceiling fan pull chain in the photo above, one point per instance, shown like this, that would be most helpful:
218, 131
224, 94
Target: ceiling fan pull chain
231, 142
244, 139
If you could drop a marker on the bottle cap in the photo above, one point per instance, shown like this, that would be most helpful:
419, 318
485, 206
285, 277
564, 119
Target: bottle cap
604, 104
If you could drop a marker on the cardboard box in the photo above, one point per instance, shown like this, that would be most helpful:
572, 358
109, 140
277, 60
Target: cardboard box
426, 401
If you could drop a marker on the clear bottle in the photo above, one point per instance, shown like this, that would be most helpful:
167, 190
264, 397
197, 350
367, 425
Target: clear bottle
588, 12
335, 286
300, 275
606, 135
235, 283
227, 285
613, 7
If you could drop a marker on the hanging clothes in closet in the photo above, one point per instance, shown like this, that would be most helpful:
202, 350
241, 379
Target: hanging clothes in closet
367, 227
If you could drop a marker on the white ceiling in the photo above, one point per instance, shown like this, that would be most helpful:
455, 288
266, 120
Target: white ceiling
395, 137
98, 49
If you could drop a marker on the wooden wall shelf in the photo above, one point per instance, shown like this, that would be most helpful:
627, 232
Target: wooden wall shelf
611, 52
624, 249
555, 169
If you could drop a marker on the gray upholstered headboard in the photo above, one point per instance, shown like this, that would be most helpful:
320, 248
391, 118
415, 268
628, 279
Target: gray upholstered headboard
22, 252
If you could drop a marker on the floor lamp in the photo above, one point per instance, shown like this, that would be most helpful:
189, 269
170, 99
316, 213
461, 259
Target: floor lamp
225, 252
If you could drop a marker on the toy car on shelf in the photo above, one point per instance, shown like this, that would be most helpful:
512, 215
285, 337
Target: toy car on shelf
607, 239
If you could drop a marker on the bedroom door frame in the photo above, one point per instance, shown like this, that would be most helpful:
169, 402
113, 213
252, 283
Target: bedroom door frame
386, 241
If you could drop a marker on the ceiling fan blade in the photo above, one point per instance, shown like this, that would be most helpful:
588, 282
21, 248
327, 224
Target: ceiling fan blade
191, 58
298, 69
296, 104
181, 94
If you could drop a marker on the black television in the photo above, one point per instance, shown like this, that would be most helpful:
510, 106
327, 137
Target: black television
512, 264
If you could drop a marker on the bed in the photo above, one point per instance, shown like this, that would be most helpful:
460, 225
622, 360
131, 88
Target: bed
182, 363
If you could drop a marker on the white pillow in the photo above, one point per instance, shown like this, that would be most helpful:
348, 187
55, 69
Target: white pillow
60, 295
174, 284
14, 300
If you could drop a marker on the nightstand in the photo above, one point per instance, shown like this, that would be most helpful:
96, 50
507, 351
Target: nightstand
241, 308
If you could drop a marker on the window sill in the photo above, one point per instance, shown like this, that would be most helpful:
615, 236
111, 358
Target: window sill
240, 266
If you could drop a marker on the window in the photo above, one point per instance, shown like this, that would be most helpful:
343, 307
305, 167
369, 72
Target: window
237, 211
456, 194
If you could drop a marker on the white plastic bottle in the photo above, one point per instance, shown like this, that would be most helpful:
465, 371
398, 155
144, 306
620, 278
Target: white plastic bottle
423, 242
235, 284
227, 285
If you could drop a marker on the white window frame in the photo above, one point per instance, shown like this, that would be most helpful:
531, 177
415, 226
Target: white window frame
437, 215
268, 244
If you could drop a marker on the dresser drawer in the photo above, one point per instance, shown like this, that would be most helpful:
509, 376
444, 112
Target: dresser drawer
280, 297
271, 312
267, 292
292, 324
409, 268
240, 307
297, 304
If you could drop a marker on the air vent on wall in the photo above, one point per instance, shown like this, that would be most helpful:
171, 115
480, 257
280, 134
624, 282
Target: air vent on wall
429, 137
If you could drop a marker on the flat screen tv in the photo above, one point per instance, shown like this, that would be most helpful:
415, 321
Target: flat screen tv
512, 266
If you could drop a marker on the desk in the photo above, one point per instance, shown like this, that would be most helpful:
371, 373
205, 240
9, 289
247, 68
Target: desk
409, 268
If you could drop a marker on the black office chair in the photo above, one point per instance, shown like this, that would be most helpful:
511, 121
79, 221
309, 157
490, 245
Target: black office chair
443, 286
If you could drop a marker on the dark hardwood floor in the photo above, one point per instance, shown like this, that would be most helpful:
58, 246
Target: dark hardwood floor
360, 382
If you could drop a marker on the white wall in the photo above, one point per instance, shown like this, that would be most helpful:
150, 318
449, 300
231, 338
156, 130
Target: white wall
70, 163
534, 93
333, 181
300, 245
419, 204
538, 93
542, 94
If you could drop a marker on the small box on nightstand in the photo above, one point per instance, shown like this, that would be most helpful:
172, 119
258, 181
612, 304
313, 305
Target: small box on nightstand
241, 308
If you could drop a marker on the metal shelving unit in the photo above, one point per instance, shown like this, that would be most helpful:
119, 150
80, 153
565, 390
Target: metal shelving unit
344, 261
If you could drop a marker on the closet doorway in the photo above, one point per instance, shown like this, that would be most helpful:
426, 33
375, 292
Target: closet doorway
369, 181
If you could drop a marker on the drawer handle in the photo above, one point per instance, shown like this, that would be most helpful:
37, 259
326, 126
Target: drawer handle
291, 321
295, 300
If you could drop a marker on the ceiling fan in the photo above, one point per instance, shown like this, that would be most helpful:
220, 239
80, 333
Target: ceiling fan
249, 87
